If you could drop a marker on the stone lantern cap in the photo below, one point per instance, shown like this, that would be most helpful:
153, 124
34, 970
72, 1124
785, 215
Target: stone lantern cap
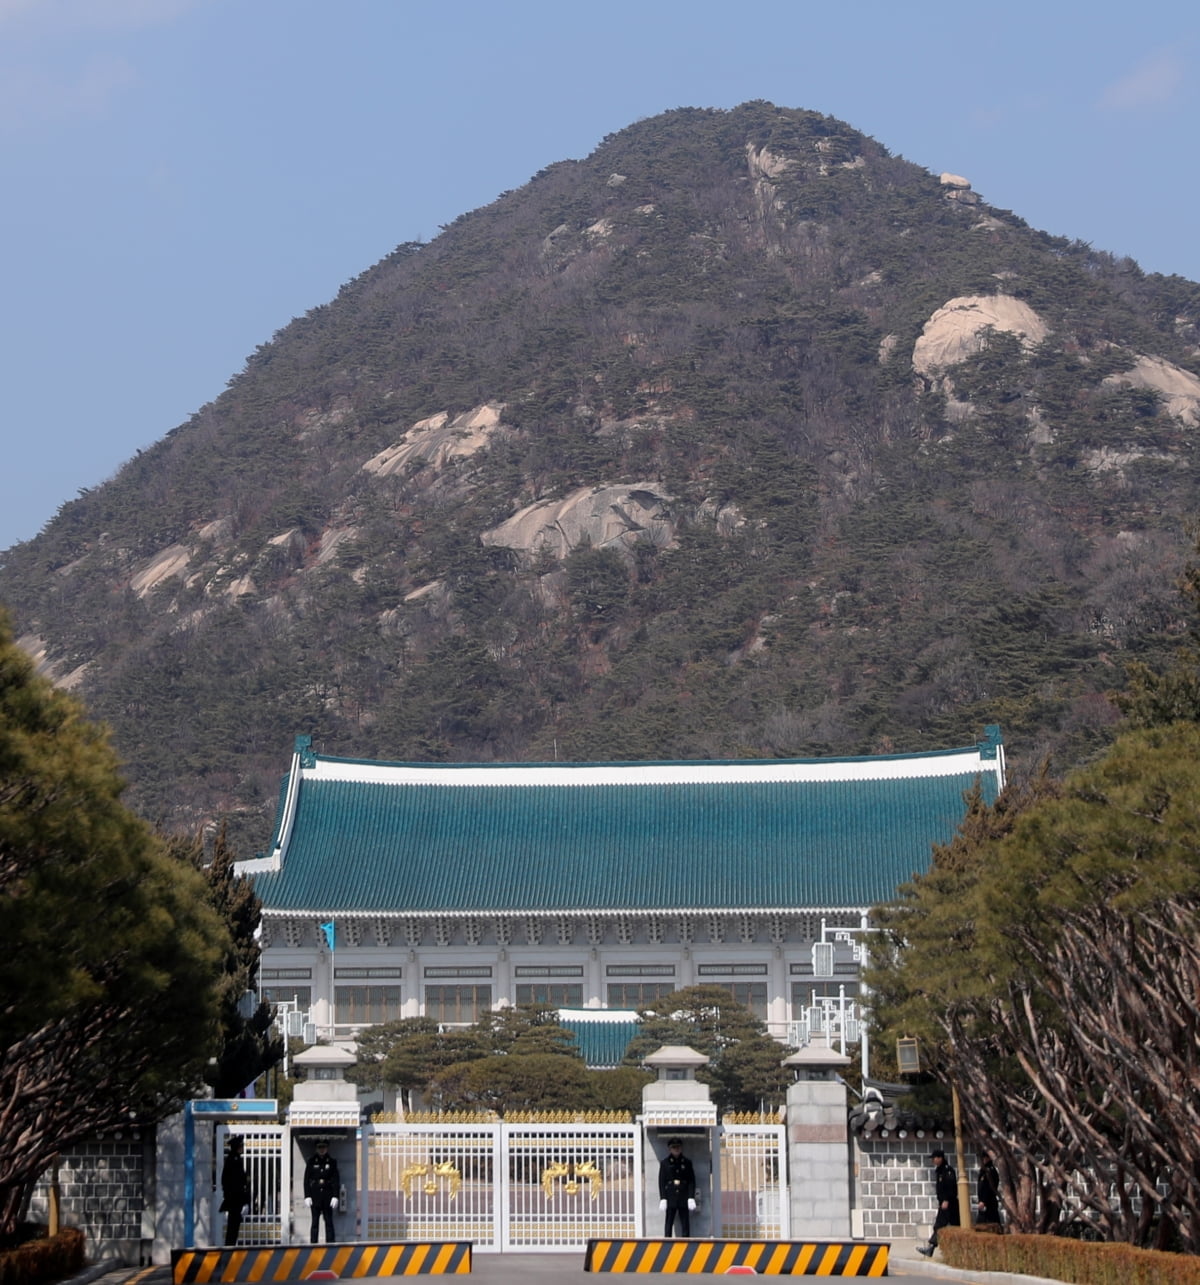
816, 1056
677, 1099
675, 1057
325, 1057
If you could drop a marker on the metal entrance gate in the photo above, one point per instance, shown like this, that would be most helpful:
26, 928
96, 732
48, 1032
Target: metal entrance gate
754, 1193
567, 1183
268, 1161
503, 1186
432, 1182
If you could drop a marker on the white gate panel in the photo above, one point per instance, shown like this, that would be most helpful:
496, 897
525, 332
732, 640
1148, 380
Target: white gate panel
754, 1191
565, 1183
267, 1158
433, 1182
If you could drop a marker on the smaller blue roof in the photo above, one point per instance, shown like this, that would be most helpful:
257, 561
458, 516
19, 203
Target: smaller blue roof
601, 1038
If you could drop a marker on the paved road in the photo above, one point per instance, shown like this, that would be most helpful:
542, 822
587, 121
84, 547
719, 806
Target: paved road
550, 1269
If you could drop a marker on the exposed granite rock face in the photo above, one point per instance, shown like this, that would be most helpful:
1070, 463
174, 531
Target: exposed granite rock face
606, 516
172, 561
439, 438
764, 163
1179, 388
958, 189
955, 332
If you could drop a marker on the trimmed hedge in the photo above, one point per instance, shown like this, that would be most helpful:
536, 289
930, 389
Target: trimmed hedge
43, 1258
1059, 1258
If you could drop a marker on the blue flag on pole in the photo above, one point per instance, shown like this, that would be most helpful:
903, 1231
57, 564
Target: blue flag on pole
327, 930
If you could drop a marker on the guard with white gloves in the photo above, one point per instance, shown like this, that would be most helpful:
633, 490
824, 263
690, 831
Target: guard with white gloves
677, 1189
321, 1186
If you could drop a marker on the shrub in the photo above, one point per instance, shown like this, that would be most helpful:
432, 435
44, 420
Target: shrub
43, 1258
1060, 1258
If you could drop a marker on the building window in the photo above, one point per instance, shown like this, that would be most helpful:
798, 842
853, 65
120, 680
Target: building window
473, 970
560, 994
640, 970
752, 994
366, 1005
549, 970
732, 970
637, 994
457, 1004
281, 993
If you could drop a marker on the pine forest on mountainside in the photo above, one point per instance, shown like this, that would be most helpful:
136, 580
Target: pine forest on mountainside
809, 545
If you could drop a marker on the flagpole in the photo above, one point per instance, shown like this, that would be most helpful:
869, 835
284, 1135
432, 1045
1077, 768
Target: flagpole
329, 932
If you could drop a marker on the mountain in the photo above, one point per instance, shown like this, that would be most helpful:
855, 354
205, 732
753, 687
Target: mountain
739, 437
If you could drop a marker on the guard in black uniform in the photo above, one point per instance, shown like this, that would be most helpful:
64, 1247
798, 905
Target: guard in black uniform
235, 1190
677, 1189
321, 1187
989, 1190
946, 1193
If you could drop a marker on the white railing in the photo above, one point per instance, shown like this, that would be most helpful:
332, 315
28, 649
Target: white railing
754, 1192
834, 1019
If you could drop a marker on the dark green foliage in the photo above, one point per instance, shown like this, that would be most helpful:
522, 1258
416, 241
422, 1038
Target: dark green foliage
858, 563
1049, 963
408, 1054
745, 1071
248, 1044
517, 1058
1156, 697
112, 952
524, 1030
598, 582
513, 1082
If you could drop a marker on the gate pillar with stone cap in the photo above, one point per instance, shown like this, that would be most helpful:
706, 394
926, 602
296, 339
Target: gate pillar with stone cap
818, 1143
325, 1108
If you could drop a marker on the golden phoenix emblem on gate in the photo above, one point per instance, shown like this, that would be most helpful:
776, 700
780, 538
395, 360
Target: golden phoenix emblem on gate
575, 1174
430, 1177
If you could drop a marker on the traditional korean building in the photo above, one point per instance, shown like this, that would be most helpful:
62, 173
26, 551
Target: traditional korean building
405, 889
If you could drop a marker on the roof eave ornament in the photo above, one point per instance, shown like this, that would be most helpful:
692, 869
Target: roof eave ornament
304, 752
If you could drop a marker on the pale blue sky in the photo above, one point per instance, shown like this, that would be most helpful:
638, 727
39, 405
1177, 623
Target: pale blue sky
182, 177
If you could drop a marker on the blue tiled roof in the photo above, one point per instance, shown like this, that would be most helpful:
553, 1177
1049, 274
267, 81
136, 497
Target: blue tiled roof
601, 1044
360, 847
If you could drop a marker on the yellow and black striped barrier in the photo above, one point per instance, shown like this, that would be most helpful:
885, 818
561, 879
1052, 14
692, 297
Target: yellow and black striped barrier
716, 1257
322, 1262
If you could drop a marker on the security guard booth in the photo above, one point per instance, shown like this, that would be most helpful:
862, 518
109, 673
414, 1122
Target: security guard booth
677, 1105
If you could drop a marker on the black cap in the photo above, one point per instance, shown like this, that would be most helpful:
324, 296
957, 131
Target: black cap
675, 1142
936, 1154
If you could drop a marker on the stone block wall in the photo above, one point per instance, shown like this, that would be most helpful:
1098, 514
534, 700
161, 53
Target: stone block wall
105, 1188
893, 1185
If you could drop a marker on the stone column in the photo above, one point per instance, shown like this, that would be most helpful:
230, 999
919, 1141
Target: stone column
818, 1144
